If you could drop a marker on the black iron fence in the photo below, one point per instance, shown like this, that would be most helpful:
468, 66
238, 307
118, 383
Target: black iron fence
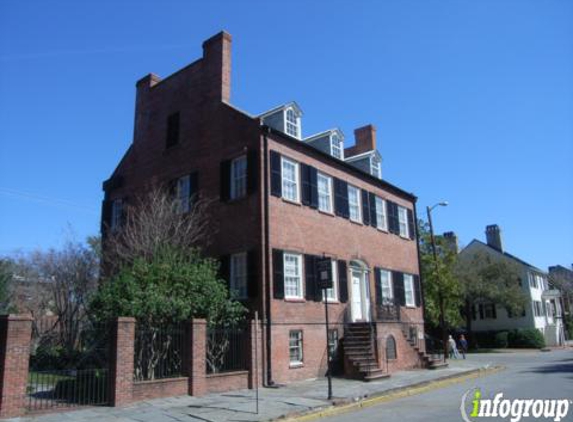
388, 310
227, 349
158, 351
69, 364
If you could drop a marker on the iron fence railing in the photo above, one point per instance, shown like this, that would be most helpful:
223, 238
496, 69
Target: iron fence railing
388, 310
227, 349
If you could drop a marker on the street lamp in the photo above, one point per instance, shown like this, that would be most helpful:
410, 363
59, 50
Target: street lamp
440, 295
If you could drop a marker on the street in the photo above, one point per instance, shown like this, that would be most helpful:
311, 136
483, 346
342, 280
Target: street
529, 375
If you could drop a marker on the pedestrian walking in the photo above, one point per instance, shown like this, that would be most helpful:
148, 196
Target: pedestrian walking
463, 345
453, 348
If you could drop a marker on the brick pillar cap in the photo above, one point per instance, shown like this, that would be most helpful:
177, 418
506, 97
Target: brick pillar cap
125, 319
198, 321
17, 317
148, 80
224, 35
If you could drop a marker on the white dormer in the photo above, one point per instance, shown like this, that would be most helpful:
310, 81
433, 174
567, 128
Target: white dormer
376, 166
330, 141
286, 118
369, 161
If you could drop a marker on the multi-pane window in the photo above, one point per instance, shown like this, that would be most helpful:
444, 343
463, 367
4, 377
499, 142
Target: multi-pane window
354, 203
238, 282
183, 188
333, 343
239, 177
381, 221
116, 214
537, 308
489, 311
295, 347
539, 281
332, 293
290, 175
293, 275
386, 286
336, 147
375, 168
324, 192
409, 290
532, 280
291, 123
391, 348
403, 221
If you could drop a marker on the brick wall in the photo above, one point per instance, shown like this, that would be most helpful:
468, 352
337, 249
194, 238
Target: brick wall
227, 381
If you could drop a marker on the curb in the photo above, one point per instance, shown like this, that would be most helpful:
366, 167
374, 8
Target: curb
347, 405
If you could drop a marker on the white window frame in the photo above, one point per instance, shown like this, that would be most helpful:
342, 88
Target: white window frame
183, 191
292, 126
238, 275
356, 206
409, 293
387, 290
116, 214
403, 221
336, 149
539, 281
326, 196
296, 277
332, 293
295, 182
239, 177
296, 344
381, 214
375, 167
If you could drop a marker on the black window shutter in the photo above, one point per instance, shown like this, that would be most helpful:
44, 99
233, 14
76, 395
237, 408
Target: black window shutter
378, 285
225, 171
305, 183
105, 216
474, 312
276, 174
341, 198
399, 292
373, 218
411, 226
480, 311
193, 187
309, 271
225, 270
278, 275
417, 291
342, 282
252, 171
252, 273
365, 207
313, 175
393, 222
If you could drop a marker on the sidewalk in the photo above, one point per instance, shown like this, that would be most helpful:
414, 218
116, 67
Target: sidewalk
296, 398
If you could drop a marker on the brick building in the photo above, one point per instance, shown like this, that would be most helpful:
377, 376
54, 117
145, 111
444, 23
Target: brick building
282, 202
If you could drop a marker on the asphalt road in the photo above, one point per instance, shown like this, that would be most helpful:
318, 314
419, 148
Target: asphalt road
528, 375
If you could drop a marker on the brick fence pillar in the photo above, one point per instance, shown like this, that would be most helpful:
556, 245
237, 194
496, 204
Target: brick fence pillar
254, 354
15, 339
122, 351
197, 346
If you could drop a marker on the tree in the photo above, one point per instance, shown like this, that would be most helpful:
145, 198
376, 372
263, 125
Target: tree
485, 279
6, 272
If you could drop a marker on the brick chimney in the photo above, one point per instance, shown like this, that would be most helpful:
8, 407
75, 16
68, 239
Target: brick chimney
365, 140
493, 237
452, 241
217, 67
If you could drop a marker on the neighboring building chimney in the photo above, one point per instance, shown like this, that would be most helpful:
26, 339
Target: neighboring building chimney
493, 236
452, 241
217, 66
365, 138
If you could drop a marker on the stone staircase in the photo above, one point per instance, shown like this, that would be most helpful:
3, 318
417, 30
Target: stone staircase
427, 361
360, 353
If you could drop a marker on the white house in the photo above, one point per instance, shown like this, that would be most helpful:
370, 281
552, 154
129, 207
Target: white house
543, 307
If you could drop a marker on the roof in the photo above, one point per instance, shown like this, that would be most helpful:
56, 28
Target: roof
362, 155
323, 133
292, 104
506, 254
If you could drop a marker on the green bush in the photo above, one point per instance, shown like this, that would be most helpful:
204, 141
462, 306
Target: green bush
568, 321
501, 339
527, 338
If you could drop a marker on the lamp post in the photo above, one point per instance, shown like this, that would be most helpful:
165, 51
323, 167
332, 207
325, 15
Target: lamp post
440, 295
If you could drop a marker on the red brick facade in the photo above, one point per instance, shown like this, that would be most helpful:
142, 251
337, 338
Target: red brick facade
212, 131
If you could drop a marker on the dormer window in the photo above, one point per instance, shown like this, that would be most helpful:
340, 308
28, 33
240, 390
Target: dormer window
375, 168
291, 123
336, 149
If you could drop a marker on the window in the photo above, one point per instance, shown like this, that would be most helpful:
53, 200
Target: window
239, 177
403, 221
409, 290
295, 347
293, 275
238, 282
489, 311
183, 191
354, 203
391, 348
386, 286
324, 192
336, 147
333, 343
332, 293
381, 221
116, 214
172, 130
532, 280
375, 168
290, 175
291, 123
537, 308
539, 281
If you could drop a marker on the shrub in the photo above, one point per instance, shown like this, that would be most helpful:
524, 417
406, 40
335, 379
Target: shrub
527, 338
501, 340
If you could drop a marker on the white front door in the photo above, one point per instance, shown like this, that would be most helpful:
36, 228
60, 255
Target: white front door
359, 307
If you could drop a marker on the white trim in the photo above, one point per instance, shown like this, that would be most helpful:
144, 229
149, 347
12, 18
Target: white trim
299, 346
358, 198
330, 192
334, 290
298, 275
291, 104
296, 180
403, 211
410, 283
361, 155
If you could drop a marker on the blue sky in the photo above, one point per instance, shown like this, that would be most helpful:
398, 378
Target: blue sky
473, 101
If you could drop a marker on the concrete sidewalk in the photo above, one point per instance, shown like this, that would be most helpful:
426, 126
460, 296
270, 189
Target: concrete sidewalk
296, 398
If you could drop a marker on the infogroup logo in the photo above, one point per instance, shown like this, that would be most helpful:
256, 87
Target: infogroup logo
474, 407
